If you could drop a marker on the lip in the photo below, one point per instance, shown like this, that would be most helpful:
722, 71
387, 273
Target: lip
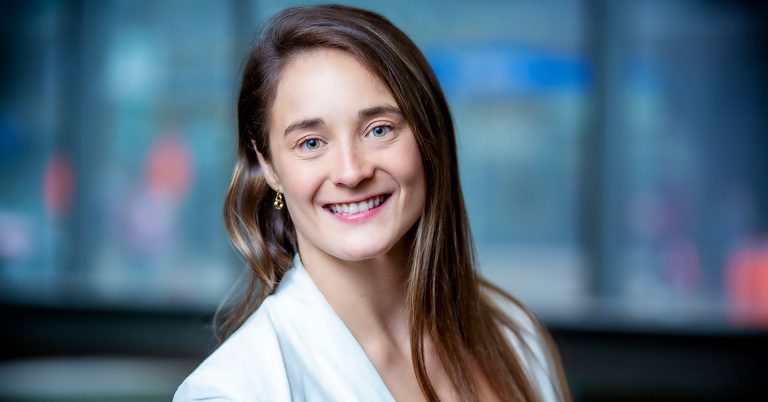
363, 198
359, 216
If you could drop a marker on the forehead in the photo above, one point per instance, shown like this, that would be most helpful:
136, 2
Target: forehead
325, 83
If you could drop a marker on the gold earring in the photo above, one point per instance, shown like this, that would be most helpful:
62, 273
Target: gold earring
278, 200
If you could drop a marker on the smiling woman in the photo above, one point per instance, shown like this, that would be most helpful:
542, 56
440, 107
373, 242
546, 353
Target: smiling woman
347, 207
346, 144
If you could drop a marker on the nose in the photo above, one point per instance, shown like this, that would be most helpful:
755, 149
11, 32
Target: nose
352, 166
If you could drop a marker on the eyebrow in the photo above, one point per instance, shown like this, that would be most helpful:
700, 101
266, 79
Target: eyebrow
377, 110
315, 122
304, 125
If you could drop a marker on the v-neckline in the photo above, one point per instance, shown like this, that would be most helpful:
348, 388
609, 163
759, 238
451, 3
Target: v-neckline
303, 275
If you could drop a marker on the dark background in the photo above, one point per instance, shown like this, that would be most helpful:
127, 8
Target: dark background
612, 155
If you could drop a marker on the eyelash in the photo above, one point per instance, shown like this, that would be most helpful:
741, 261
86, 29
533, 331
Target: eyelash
304, 141
382, 125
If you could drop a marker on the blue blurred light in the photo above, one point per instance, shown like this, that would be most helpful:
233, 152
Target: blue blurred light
507, 71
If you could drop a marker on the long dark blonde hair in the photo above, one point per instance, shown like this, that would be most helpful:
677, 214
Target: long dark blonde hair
446, 299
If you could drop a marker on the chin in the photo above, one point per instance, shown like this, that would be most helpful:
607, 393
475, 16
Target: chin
361, 252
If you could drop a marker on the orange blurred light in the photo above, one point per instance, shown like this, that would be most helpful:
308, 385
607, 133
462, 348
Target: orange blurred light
169, 167
58, 186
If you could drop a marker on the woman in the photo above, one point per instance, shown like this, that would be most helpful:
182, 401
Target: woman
347, 207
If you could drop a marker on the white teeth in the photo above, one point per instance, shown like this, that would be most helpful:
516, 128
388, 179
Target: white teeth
354, 208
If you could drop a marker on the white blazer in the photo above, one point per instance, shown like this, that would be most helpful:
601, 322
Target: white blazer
296, 348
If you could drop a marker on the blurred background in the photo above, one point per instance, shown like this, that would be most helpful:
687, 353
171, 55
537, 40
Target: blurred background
613, 157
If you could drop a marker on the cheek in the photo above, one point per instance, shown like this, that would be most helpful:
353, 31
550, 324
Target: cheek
300, 183
409, 171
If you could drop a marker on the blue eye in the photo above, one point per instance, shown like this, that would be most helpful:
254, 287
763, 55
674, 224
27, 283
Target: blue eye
311, 144
380, 131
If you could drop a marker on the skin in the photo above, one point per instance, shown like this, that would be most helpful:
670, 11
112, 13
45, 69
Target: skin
335, 152
360, 267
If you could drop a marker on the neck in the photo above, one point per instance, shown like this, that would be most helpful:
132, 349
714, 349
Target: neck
368, 295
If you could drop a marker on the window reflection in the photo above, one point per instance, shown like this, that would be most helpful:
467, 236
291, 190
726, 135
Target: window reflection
611, 156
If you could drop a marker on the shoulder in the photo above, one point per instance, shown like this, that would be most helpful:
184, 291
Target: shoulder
530, 340
247, 366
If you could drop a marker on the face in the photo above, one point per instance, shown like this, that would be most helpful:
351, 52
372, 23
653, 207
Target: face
344, 157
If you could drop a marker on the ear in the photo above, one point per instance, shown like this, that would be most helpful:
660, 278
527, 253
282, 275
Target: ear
269, 172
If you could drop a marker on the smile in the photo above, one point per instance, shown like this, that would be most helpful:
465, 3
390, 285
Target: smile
353, 208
